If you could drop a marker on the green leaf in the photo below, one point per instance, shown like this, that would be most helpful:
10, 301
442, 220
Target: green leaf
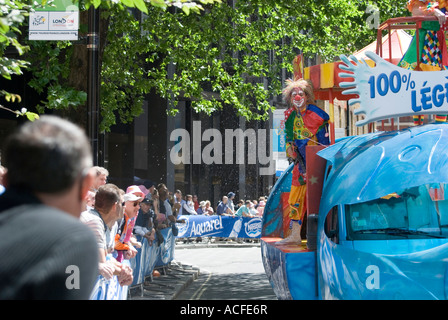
158, 3
186, 9
141, 5
128, 3
96, 3
32, 116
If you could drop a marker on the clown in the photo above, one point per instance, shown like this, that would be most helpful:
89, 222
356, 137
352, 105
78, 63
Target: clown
306, 124
432, 44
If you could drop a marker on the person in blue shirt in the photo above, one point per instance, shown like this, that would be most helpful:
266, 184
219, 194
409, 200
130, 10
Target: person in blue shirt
223, 208
230, 204
201, 208
188, 206
244, 209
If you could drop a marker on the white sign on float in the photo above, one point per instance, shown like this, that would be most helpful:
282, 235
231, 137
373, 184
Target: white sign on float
279, 142
387, 91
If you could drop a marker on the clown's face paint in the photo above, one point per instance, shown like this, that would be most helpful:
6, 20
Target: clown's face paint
298, 98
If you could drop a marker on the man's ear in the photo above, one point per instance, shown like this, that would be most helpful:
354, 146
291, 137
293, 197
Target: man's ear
5, 179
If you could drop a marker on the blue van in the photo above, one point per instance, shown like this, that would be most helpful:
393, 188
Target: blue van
381, 231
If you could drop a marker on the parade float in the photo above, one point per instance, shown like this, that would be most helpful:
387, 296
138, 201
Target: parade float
377, 220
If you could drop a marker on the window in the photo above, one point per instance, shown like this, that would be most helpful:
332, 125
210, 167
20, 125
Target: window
331, 225
417, 212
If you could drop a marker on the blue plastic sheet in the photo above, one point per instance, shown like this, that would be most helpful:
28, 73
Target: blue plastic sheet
109, 289
151, 256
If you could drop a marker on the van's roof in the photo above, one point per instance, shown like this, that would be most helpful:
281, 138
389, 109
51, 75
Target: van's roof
373, 165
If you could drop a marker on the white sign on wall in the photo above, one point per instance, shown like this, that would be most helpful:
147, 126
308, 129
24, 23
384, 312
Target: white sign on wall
388, 91
60, 22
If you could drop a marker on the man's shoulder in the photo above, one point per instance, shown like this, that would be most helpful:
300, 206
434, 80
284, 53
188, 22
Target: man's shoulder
41, 217
55, 240
88, 216
23, 210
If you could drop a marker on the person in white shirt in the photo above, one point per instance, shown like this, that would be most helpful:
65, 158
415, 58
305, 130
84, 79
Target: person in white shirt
102, 219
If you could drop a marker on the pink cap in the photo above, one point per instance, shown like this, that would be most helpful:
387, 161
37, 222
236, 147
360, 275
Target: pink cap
136, 191
143, 189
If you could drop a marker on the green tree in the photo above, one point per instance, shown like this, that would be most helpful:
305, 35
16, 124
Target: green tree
12, 16
49, 61
227, 49
233, 52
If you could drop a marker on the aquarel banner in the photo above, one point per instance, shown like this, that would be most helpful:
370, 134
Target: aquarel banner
219, 226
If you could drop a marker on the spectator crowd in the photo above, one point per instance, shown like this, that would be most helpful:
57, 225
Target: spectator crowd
115, 217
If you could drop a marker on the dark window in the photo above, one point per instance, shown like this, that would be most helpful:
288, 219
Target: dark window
331, 225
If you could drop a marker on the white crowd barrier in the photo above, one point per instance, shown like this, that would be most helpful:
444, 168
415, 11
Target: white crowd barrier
147, 259
152, 256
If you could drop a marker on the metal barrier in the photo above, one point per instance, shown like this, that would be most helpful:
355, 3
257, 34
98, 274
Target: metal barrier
150, 257
147, 259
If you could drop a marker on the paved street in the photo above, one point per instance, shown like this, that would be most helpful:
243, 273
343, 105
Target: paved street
226, 274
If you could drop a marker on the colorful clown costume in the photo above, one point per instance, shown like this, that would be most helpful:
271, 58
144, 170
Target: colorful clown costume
308, 128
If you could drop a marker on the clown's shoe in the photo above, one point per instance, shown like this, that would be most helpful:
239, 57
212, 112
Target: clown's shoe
294, 237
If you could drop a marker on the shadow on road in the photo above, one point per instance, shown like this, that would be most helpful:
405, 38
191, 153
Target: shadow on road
244, 286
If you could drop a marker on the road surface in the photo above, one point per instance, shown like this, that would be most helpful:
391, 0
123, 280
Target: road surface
226, 274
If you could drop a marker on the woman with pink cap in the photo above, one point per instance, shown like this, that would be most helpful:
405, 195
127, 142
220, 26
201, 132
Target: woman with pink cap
132, 200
